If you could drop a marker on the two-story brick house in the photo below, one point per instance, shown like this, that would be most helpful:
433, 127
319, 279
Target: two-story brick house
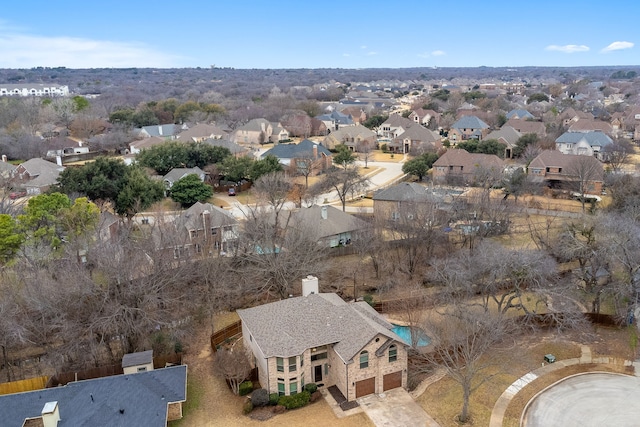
322, 339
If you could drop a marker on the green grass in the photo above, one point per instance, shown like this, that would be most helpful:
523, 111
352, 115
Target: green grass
195, 391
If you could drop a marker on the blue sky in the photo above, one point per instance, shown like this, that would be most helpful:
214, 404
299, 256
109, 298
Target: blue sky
327, 34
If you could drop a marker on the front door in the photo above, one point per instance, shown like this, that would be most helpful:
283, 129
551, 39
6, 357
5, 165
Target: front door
317, 374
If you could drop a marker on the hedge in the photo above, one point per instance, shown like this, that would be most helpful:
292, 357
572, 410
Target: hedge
245, 388
295, 400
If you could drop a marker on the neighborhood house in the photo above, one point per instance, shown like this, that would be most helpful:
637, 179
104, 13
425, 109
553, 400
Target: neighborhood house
322, 339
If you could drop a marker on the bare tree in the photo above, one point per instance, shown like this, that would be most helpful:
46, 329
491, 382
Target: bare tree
346, 182
365, 152
233, 366
506, 280
413, 232
461, 338
584, 172
617, 154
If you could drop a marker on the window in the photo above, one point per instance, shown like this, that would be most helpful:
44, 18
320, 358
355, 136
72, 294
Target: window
293, 387
281, 386
142, 369
280, 364
302, 381
393, 353
292, 364
301, 360
364, 359
214, 231
318, 356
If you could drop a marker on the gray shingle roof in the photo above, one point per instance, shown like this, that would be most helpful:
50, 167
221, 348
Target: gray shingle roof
519, 114
191, 219
508, 134
139, 358
176, 174
288, 327
161, 130
143, 397
420, 133
469, 122
405, 191
296, 151
337, 222
594, 139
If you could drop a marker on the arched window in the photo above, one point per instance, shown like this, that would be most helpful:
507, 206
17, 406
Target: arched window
393, 353
364, 359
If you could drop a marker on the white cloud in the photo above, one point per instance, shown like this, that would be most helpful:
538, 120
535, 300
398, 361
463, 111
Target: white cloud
434, 53
22, 50
363, 47
371, 53
346, 54
569, 48
617, 46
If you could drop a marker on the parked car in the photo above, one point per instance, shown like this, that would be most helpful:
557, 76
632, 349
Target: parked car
232, 191
549, 358
17, 194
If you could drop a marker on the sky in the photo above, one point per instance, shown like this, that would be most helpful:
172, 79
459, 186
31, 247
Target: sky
310, 34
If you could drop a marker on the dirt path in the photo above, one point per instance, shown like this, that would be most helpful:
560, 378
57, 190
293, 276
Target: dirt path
211, 403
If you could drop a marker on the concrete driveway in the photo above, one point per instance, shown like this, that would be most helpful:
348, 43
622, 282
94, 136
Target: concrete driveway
395, 408
587, 400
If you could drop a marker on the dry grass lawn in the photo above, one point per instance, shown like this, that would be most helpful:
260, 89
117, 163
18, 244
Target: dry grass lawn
211, 403
443, 400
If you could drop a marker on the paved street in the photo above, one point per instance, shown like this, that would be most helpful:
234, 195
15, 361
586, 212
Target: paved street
589, 400
382, 174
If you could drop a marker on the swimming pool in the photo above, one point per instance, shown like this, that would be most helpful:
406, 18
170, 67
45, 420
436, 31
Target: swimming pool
404, 332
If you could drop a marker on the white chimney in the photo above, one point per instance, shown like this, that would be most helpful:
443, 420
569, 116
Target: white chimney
4, 158
50, 414
309, 286
59, 160
323, 212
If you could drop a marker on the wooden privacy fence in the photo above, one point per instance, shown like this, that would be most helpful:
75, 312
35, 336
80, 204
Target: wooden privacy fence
23, 385
222, 335
107, 371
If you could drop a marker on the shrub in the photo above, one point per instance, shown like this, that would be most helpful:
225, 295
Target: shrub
260, 397
311, 387
245, 388
273, 399
247, 407
368, 298
295, 401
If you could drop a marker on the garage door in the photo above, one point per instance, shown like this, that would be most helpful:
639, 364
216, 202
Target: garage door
393, 380
365, 387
